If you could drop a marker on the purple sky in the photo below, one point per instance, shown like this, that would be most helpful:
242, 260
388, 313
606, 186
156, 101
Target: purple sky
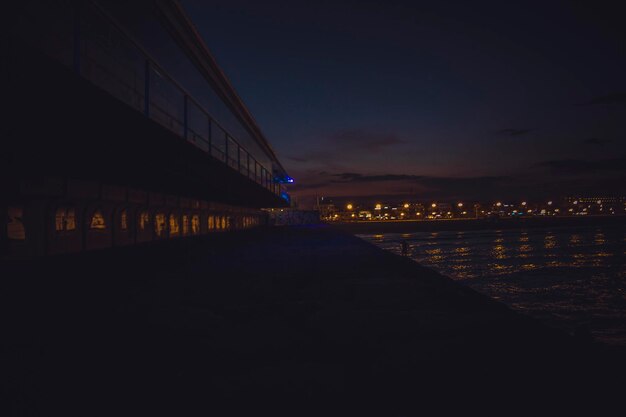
473, 100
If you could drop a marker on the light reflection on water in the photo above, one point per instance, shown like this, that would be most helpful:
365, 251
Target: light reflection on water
567, 277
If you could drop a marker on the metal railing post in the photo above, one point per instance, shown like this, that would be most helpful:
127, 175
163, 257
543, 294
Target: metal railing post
185, 119
146, 95
76, 35
210, 134
226, 156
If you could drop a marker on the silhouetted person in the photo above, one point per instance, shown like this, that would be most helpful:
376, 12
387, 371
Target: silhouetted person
405, 248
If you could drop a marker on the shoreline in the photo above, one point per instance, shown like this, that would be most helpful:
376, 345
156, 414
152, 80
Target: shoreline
411, 226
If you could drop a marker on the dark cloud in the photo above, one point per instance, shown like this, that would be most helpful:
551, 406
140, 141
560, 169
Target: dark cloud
312, 156
353, 140
495, 188
458, 183
351, 183
615, 98
358, 139
348, 176
596, 141
303, 186
514, 132
352, 177
386, 187
584, 166
421, 179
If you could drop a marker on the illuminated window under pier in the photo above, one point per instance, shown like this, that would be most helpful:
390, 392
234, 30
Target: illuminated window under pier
15, 224
85, 225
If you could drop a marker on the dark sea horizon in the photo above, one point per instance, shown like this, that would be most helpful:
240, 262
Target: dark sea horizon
572, 278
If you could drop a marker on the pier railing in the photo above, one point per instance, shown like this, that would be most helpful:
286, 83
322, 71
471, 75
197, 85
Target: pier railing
89, 40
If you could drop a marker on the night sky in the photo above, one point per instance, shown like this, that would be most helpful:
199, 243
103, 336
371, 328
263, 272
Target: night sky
438, 99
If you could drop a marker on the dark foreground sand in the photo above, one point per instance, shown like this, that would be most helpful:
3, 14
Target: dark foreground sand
297, 321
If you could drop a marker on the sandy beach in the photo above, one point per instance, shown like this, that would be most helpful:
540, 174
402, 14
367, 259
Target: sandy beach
268, 320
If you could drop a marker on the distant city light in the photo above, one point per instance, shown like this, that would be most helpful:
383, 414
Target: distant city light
390, 210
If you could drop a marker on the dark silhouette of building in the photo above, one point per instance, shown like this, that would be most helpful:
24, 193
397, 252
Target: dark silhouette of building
121, 128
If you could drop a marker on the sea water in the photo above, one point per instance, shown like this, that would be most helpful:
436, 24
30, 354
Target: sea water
571, 278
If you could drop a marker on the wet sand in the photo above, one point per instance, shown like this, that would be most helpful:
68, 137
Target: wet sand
297, 321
